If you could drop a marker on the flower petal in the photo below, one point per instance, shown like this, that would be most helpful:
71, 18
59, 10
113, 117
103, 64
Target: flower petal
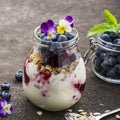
3, 102
50, 24
44, 27
60, 29
9, 108
2, 113
69, 19
63, 23
68, 28
72, 25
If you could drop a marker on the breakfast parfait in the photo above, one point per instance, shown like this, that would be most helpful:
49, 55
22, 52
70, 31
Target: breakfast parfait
54, 71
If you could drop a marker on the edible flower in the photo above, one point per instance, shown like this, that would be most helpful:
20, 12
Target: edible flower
65, 25
48, 28
5, 108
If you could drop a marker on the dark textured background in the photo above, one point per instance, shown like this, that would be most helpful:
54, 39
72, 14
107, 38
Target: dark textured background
18, 18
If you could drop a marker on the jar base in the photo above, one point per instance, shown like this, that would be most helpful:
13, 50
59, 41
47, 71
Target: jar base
109, 80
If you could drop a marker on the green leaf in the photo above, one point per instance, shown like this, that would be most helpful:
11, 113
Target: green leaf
118, 28
110, 18
99, 28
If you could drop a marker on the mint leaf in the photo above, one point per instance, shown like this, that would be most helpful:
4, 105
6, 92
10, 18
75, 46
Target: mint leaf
118, 28
99, 28
110, 18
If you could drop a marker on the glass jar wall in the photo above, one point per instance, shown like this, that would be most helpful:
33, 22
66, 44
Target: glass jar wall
106, 61
54, 77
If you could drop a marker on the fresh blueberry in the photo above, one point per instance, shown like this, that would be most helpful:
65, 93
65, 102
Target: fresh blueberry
106, 37
118, 59
41, 35
62, 38
97, 68
97, 61
116, 41
117, 68
114, 35
111, 60
108, 46
98, 52
46, 38
6, 95
103, 72
56, 45
5, 86
111, 74
57, 35
103, 55
18, 76
105, 66
69, 35
114, 53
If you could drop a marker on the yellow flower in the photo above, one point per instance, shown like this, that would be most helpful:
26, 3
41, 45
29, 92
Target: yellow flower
64, 26
51, 35
60, 29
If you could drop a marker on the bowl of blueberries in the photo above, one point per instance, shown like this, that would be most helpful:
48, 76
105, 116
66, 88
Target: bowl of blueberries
106, 60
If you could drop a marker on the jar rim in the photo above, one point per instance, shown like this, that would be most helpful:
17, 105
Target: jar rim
38, 38
109, 43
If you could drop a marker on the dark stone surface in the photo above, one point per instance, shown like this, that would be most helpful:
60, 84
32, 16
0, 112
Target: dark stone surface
18, 18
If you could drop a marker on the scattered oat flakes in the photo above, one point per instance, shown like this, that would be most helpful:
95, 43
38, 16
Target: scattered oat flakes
118, 117
39, 113
80, 110
101, 104
107, 111
69, 110
83, 113
96, 113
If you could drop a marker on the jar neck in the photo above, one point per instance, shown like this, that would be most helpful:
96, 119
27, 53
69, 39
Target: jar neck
56, 45
107, 45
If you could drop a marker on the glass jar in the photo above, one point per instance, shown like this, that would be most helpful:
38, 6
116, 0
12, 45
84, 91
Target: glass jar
54, 77
106, 61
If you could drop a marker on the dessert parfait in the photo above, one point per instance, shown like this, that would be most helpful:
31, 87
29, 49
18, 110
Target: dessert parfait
54, 71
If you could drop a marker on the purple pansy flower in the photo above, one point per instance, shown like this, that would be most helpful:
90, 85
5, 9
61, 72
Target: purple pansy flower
69, 19
5, 108
49, 29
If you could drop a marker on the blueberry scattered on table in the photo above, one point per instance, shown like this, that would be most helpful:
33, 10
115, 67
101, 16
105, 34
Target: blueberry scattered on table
18, 76
6, 95
5, 86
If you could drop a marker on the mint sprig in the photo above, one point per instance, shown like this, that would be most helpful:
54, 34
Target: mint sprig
111, 24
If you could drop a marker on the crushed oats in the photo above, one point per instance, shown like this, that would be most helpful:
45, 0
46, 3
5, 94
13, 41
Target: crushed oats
69, 110
83, 113
80, 110
107, 111
96, 113
101, 104
118, 117
39, 113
